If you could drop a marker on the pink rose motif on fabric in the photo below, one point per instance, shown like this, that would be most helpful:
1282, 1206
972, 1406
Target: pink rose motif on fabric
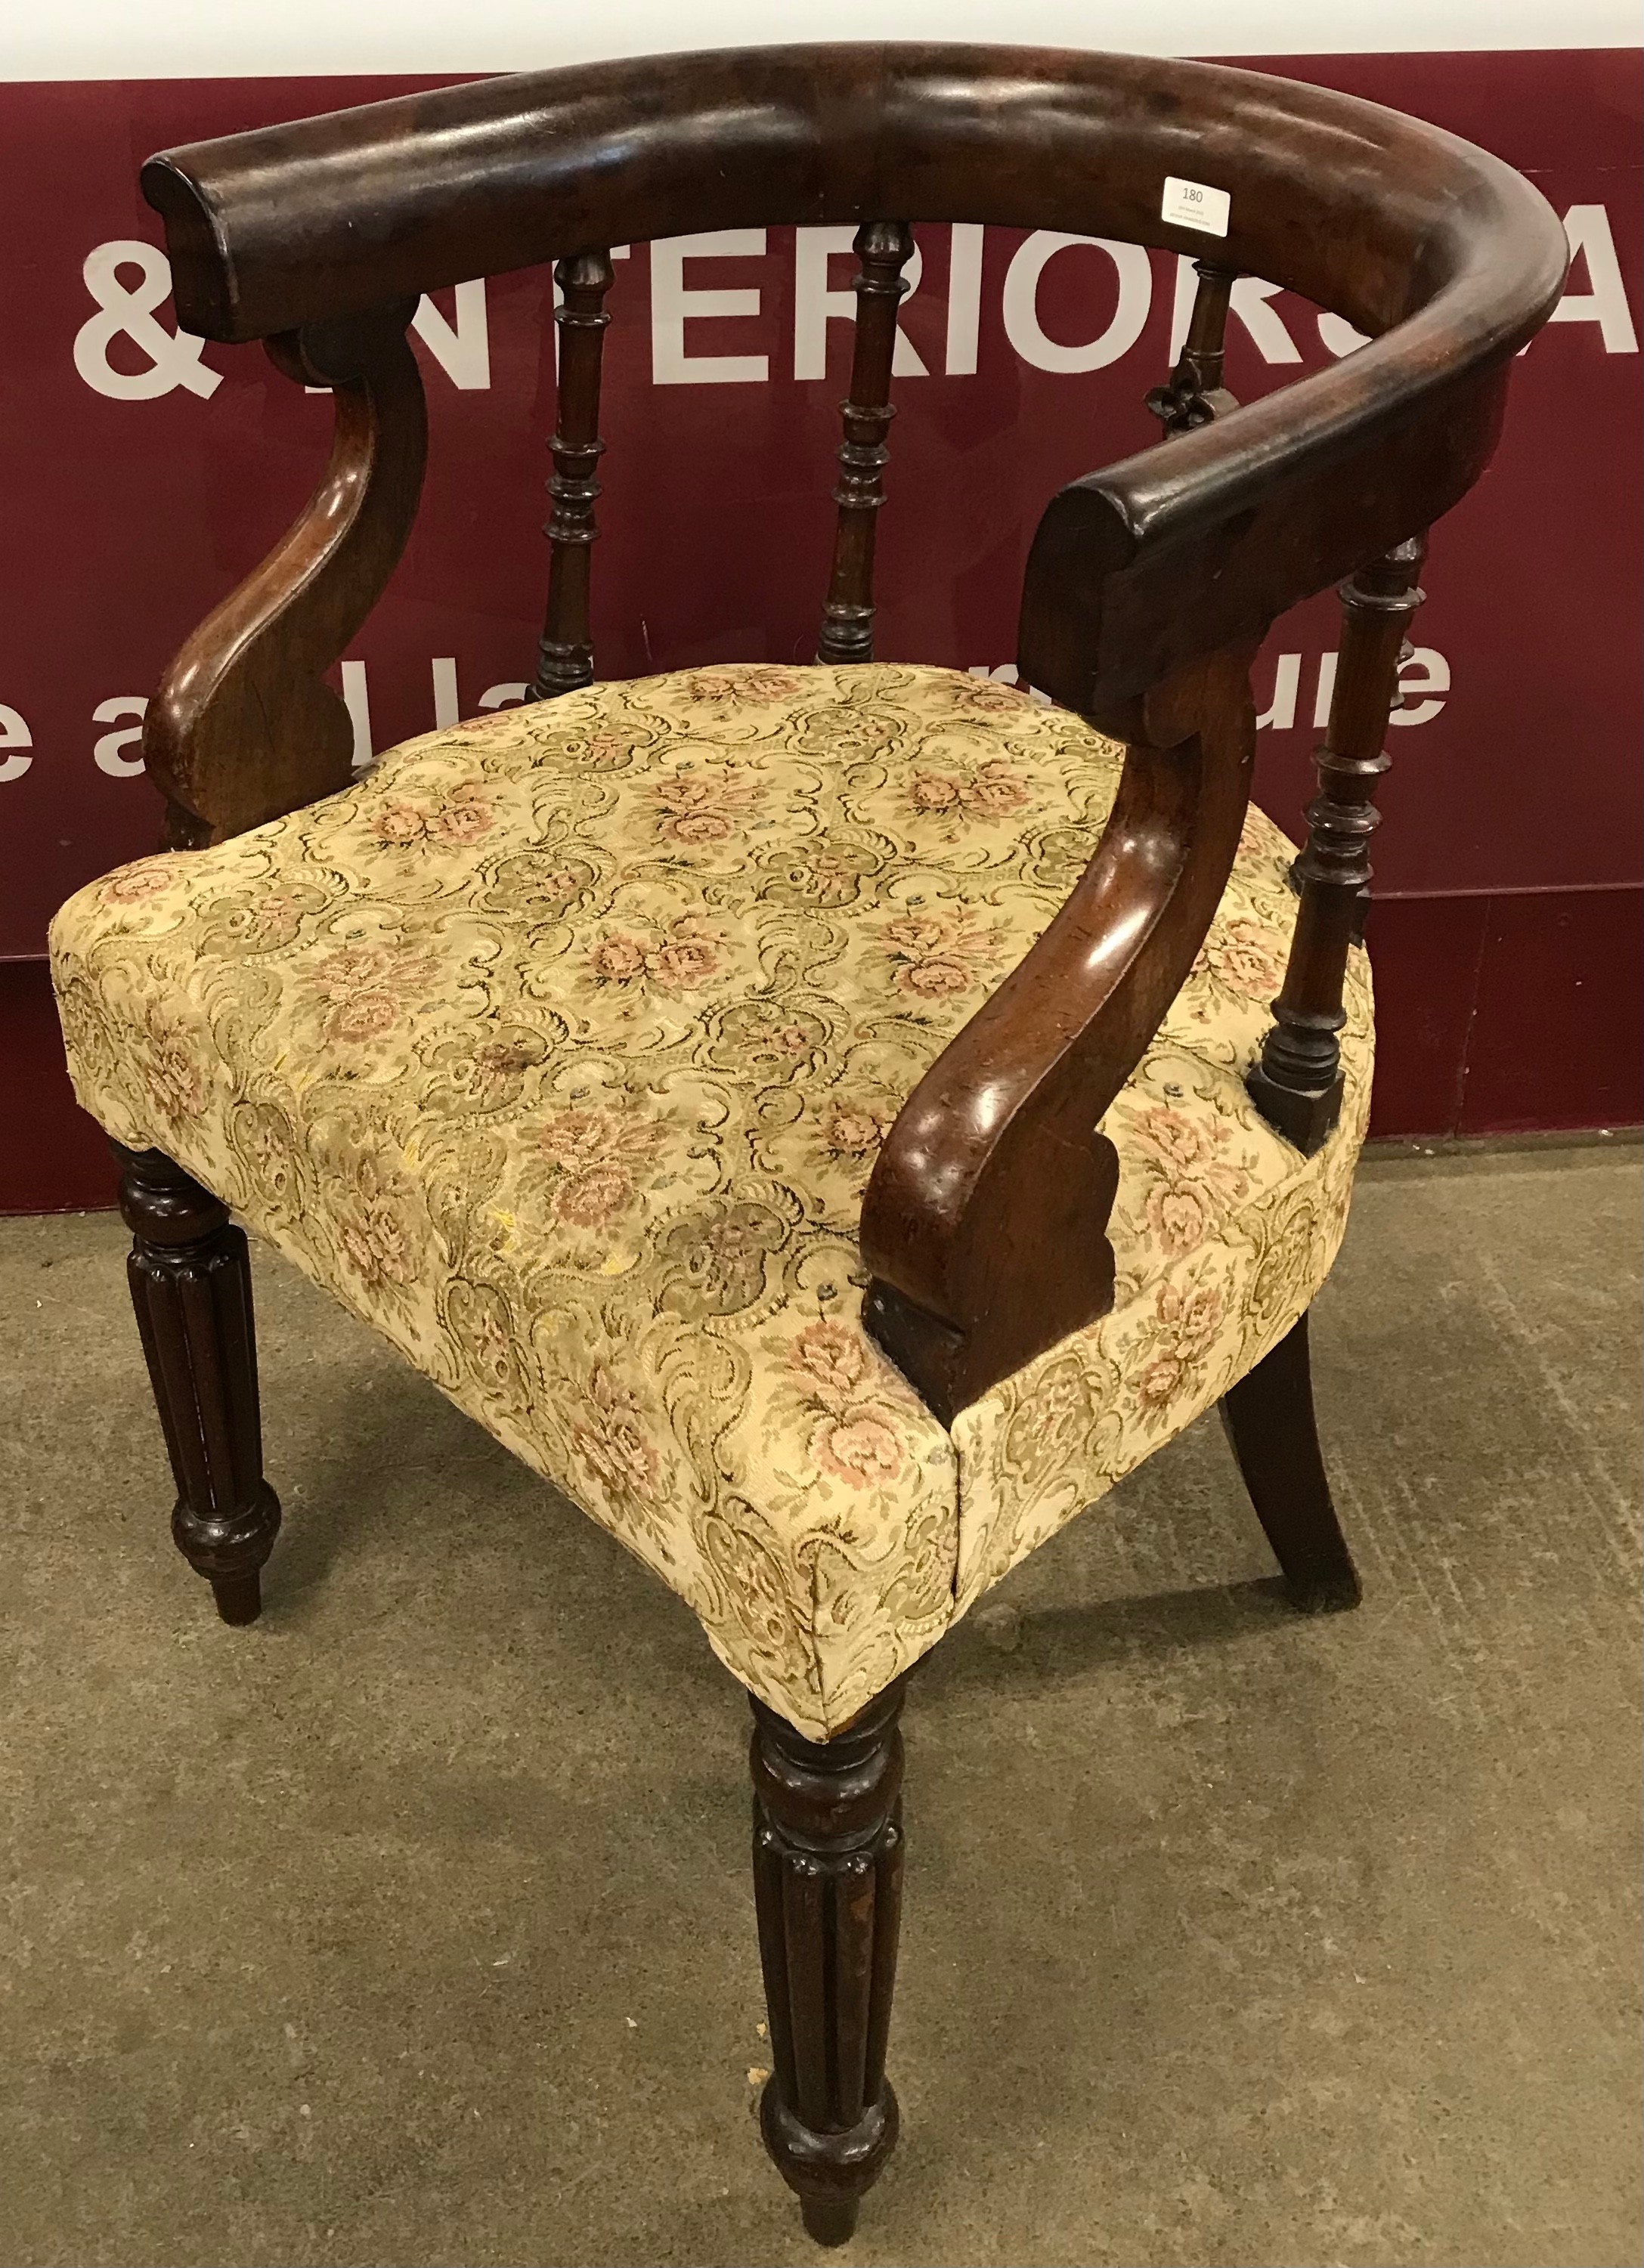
756, 686
367, 986
853, 1133
855, 1436
933, 957
618, 958
128, 885
367, 1017
592, 1157
687, 958
461, 816
595, 1197
697, 807
1197, 1177
988, 791
1179, 1217
862, 1450
1188, 1317
1247, 957
613, 1439
830, 1359
173, 1071
372, 1227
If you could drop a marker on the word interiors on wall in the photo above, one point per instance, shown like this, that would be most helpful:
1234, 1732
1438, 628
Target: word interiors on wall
461, 348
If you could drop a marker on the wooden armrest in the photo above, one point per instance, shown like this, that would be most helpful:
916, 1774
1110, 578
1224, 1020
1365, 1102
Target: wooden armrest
1138, 571
985, 1224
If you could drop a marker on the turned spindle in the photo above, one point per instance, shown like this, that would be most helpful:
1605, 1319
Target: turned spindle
1194, 394
1297, 1084
884, 248
565, 652
828, 1894
190, 1277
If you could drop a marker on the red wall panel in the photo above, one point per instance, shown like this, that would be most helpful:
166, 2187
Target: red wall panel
143, 476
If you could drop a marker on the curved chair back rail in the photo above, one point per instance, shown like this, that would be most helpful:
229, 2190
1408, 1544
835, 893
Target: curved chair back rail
1443, 252
1148, 585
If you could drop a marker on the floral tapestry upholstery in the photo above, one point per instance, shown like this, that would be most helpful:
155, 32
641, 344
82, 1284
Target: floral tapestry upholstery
560, 1046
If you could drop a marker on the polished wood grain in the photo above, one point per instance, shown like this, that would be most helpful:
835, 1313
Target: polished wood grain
985, 1224
1445, 256
190, 1278
883, 248
1297, 1084
827, 1852
565, 654
244, 725
1270, 1422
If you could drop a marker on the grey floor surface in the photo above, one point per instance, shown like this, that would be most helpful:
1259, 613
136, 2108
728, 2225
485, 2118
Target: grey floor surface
412, 1926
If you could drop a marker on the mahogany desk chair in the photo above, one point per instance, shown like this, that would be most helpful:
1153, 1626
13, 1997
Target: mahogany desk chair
829, 1121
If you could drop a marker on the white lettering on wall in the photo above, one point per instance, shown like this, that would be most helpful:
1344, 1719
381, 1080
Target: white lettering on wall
964, 298
130, 279
357, 701
464, 350
15, 737
1007, 673
1604, 301
1325, 692
1431, 678
107, 753
447, 710
1424, 679
673, 305
1280, 713
1339, 336
128, 311
1021, 303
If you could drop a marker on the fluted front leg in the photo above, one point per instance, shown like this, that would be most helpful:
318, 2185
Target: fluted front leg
827, 1888
190, 1278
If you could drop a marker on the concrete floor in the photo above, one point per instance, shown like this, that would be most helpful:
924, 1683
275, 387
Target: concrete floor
412, 1926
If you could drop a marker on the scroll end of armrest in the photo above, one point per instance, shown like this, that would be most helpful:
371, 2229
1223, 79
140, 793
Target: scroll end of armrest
201, 277
1026, 1262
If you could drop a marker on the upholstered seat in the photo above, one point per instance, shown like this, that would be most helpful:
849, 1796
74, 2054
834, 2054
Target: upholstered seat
560, 1046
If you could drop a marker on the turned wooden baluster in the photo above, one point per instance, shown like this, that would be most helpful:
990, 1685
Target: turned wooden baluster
828, 1894
190, 1278
1297, 1085
1194, 394
884, 248
565, 652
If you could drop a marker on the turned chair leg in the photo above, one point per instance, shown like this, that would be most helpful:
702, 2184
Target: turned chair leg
1270, 1421
828, 1892
190, 1279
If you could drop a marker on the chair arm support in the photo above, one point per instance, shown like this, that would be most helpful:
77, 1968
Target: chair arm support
985, 1223
244, 727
